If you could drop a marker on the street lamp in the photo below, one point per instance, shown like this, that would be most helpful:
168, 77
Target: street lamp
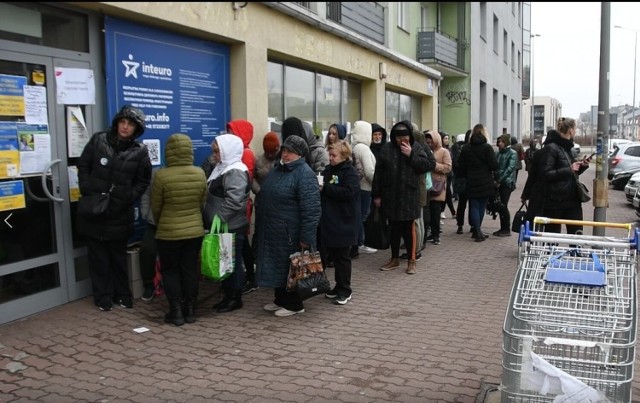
635, 54
533, 102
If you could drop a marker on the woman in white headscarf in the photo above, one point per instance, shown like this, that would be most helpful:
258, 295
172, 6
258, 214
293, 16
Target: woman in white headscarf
227, 196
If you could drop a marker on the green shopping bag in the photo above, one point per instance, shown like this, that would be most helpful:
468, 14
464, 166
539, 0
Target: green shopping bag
217, 255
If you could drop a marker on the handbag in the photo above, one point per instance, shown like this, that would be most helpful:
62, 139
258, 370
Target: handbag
94, 205
306, 275
376, 230
217, 255
519, 217
438, 186
583, 192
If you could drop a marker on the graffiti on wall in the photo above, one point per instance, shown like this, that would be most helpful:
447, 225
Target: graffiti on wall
457, 96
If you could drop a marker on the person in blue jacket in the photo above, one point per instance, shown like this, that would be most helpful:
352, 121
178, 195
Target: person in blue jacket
287, 218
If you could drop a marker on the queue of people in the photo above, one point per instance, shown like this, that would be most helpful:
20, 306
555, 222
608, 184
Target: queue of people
307, 197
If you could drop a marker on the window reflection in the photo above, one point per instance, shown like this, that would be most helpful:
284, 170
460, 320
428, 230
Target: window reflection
299, 93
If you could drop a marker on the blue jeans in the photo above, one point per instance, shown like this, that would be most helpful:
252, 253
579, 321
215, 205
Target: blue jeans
365, 207
477, 208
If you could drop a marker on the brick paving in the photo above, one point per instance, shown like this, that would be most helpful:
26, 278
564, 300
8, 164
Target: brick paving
431, 337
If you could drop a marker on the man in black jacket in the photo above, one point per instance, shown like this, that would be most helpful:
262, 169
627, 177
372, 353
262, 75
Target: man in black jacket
113, 162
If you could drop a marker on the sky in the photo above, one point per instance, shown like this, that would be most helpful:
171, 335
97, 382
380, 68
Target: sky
566, 55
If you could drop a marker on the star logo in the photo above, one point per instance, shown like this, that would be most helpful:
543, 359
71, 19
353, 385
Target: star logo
131, 66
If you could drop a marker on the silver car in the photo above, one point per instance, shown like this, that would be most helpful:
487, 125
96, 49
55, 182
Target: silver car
631, 187
625, 158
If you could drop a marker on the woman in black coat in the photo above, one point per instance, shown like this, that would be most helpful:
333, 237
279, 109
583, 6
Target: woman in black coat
478, 164
340, 222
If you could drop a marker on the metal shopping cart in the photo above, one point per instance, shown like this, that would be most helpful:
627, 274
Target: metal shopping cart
570, 328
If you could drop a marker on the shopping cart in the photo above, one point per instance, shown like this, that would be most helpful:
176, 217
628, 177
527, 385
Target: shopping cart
570, 327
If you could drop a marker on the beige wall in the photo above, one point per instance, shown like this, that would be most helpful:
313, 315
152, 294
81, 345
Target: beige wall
257, 32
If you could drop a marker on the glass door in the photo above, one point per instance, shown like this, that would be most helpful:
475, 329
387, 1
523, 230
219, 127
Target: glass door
37, 258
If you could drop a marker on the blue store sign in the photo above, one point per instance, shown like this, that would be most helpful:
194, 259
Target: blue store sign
181, 84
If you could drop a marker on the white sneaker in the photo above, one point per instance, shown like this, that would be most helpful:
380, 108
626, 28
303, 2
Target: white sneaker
366, 249
271, 307
443, 215
286, 312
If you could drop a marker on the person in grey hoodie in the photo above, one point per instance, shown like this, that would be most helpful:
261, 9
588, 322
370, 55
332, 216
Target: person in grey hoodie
317, 157
365, 161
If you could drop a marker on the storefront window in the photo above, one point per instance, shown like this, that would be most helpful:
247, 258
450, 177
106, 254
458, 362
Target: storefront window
400, 107
299, 93
275, 88
328, 96
313, 97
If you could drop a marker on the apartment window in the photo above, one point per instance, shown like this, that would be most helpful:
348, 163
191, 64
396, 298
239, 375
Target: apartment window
424, 17
403, 15
505, 105
328, 90
495, 115
334, 11
513, 57
505, 46
496, 35
519, 64
483, 19
482, 101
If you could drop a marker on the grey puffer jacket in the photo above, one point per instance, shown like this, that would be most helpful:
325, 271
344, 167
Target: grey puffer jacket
287, 213
121, 165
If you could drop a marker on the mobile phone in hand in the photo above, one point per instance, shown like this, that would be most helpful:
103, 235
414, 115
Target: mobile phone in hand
592, 155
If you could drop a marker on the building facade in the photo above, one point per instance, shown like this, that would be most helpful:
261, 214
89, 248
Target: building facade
65, 69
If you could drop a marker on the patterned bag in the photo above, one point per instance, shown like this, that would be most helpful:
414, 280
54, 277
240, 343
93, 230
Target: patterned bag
306, 275
217, 256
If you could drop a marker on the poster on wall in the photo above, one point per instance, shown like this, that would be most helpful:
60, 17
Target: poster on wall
77, 132
12, 95
180, 83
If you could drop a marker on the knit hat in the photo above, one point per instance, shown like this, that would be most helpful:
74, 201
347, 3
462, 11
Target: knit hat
271, 142
296, 145
506, 139
293, 127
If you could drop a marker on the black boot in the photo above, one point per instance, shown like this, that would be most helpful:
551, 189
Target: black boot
189, 310
175, 313
227, 294
479, 236
233, 302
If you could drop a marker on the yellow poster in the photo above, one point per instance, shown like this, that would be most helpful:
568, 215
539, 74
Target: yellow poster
12, 95
12, 195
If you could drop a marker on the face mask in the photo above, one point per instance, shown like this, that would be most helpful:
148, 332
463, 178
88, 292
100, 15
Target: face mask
377, 141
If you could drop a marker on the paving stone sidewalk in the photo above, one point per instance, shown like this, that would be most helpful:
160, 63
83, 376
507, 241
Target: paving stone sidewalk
435, 336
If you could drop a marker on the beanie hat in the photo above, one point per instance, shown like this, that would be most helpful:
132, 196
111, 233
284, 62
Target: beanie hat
296, 145
341, 129
293, 127
506, 139
271, 142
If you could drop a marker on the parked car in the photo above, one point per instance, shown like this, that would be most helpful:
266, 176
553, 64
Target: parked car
620, 180
636, 203
625, 158
615, 143
632, 186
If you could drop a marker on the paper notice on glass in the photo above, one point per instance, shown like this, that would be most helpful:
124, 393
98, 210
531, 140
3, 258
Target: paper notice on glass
36, 160
74, 188
77, 133
35, 104
75, 86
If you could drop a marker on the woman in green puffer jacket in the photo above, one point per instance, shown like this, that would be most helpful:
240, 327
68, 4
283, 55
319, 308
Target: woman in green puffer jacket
177, 195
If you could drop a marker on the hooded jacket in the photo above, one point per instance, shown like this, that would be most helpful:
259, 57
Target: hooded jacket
228, 193
478, 163
342, 133
122, 166
244, 130
443, 163
376, 147
507, 161
397, 177
317, 157
360, 142
177, 192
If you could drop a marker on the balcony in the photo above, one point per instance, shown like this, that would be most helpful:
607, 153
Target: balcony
441, 52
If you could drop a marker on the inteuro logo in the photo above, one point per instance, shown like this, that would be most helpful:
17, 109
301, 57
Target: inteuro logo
148, 70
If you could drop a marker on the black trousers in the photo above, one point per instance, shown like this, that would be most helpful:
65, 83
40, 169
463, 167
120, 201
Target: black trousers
148, 255
435, 208
406, 230
108, 269
462, 208
570, 213
505, 216
180, 270
342, 275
